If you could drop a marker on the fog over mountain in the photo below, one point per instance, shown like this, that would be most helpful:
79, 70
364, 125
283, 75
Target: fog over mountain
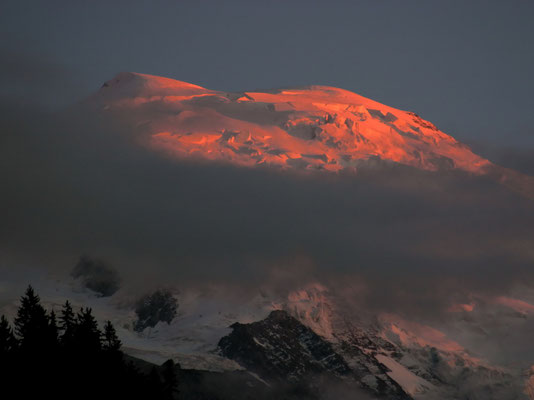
177, 186
83, 181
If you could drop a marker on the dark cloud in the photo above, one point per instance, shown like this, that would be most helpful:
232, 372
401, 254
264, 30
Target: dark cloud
31, 77
77, 184
97, 276
519, 158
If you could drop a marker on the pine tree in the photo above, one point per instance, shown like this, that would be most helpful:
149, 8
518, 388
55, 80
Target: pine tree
8, 342
87, 336
52, 330
67, 323
170, 382
31, 321
28, 303
111, 340
84, 370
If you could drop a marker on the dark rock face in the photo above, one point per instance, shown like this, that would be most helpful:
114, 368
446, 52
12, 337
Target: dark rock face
281, 349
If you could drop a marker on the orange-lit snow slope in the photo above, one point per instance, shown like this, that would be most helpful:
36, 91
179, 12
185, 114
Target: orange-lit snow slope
315, 127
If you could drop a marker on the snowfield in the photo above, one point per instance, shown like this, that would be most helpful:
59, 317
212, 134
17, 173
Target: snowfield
423, 360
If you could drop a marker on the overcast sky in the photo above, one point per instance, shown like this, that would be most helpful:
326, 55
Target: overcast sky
464, 65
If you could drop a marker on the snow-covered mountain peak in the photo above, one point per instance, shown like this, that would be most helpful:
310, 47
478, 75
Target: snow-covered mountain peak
135, 85
312, 306
313, 127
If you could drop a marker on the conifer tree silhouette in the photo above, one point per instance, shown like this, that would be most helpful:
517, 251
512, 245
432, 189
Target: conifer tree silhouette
170, 382
8, 342
80, 363
87, 336
52, 331
31, 322
67, 324
154, 380
111, 340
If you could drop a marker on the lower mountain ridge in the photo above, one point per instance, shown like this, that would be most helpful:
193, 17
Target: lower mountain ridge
280, 348
306, 344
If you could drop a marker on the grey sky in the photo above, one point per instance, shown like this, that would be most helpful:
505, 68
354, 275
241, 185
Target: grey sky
464, 65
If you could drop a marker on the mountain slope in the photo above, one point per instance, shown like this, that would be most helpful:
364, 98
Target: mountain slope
310, 128
315, 127
312, 333
280, 348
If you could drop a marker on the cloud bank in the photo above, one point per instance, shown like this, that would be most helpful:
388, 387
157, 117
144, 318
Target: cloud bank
75, 183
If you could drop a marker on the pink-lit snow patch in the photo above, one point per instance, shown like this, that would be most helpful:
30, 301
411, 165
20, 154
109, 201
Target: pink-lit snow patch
311, 306
410, 333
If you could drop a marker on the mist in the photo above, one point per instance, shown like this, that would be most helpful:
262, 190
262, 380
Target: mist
76, 182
